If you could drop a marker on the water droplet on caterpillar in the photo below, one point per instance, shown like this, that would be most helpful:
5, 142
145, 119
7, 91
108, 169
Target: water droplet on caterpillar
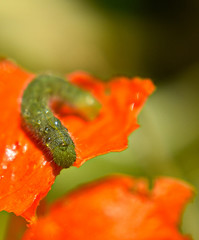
46, 130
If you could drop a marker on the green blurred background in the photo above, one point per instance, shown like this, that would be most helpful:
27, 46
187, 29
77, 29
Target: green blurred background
156, 39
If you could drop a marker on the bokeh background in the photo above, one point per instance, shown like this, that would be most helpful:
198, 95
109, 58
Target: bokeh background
107, 38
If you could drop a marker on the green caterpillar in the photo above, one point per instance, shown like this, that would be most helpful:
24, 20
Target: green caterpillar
39, 119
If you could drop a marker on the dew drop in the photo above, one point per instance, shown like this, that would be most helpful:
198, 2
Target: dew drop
4, 166
26, 113
132, 106
138, 96
57, 123
12, 176
10, 154
25, 148
44, 163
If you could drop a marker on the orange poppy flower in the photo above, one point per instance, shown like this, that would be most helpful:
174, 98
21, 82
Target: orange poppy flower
25, 175
119, 207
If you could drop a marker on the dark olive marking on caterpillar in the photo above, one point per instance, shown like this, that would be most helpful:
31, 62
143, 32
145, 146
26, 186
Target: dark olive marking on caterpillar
39, 118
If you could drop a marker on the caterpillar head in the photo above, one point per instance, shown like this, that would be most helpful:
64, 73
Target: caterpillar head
64, 155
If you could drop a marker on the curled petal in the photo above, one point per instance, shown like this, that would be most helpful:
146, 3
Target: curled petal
122, 100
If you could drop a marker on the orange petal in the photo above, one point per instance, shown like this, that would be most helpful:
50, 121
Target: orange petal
25, 175
115, 208
122, 100
168, 200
